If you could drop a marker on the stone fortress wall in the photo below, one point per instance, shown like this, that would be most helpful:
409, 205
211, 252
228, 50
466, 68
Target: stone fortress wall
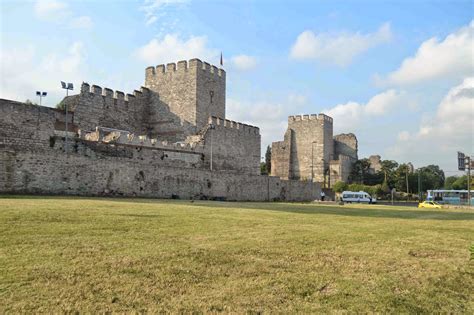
309, 151
121, 144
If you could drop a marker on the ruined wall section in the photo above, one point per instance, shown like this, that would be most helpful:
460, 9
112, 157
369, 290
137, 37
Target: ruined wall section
235, 146
28, 127
340, 169
312, 145
345, 144
112, 109
281, 156
375, 164
184, 96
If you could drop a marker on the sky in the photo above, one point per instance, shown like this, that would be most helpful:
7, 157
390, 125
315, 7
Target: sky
398, 74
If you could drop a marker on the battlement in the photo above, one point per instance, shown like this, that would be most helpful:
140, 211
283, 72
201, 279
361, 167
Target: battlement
319, 117
225, 123
111, 94
182, 67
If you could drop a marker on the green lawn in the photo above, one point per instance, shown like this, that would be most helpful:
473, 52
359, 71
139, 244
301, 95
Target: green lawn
81, 254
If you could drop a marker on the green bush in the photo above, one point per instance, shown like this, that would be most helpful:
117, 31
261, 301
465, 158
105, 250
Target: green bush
339, 187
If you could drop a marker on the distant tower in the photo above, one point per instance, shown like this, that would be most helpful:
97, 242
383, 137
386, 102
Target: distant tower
307, 149
187, 93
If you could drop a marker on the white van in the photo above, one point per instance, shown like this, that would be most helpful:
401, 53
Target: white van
361, 196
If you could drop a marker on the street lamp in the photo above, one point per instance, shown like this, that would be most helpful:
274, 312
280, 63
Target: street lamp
67, 87
41, 95
211, 127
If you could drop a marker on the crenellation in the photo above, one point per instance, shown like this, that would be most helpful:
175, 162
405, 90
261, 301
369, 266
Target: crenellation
137, 93
195, 63
171, 67
119, 95
150, 71
182, 65
95, 89
108, 92
160, 69
85, 87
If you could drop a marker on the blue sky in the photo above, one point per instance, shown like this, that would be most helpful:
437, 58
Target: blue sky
398, 74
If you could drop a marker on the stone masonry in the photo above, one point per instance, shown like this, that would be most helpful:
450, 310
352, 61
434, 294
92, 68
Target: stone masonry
155, 142
310, 152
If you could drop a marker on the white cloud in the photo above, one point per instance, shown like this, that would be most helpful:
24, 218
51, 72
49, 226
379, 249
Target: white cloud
244, 62
353, 114
172, 48
270, 117
435, 59
439, 136
51, 10
154, 9
339, 48
24, 72
82, 22
59, 12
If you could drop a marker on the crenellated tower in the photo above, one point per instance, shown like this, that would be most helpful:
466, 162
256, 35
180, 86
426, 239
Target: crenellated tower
188, 93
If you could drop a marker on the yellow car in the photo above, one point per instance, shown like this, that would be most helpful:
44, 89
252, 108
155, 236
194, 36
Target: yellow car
429, 204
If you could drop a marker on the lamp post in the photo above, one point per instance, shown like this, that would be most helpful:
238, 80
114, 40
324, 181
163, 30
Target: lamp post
41, 95
211, 127
67, 87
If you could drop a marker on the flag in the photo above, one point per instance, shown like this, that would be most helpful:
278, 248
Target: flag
222, 60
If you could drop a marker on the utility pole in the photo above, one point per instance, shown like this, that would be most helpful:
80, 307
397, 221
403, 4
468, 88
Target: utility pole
406, 178
468, 161
462, 160
419, 185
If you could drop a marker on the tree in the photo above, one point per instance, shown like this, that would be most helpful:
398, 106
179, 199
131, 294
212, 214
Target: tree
400, 177
268, 160
263, 168
461, 183
388, 169
360, 170
432, 177
339, 187
448, 183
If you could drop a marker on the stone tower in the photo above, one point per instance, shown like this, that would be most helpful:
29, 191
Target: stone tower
187, 93
307, 149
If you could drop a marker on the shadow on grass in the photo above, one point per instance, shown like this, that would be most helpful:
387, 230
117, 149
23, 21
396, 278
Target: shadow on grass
371, 211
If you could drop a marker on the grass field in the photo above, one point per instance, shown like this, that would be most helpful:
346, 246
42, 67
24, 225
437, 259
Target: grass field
121, 255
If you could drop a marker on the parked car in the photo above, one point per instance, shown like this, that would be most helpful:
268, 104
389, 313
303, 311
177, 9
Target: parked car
429, 204
359, 197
